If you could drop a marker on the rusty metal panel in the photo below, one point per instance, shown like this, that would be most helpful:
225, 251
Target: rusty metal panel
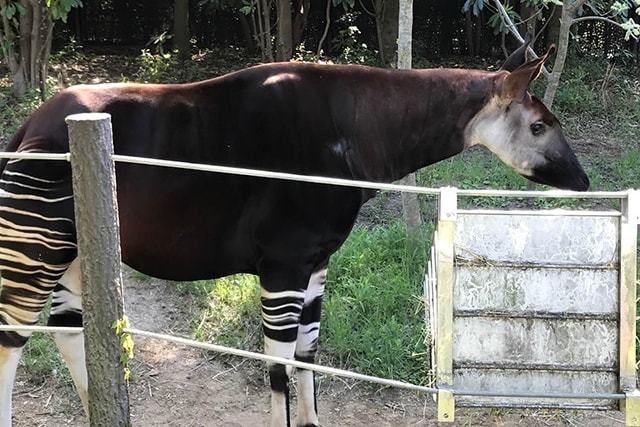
528, 239
535, 341
537, 290
543, 381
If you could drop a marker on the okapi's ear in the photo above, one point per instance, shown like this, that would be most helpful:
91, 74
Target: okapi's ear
516, 83
518, 57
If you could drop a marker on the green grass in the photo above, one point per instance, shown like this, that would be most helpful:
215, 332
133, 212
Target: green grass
41, 358
227, 310
372, 316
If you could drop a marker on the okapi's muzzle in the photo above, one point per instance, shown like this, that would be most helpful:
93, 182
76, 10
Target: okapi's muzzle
561, 169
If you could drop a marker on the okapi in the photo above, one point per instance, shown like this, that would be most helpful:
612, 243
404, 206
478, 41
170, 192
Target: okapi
344, 121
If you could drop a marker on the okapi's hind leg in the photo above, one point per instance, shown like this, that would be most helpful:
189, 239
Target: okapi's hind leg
37, 244
66, 310
307, 347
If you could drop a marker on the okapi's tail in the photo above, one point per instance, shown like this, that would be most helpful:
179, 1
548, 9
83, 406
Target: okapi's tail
14, 143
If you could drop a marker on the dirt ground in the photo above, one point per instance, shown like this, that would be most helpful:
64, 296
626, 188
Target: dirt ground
177, 386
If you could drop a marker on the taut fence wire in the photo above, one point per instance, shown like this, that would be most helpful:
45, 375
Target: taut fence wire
556, 194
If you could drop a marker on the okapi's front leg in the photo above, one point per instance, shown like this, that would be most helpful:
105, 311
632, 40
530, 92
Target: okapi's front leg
307, 347
282, 304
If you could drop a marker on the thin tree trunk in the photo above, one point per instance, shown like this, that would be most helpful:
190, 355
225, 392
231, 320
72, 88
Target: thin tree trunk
284, 48
181, 27
410, 204
326, 26
300, 15
246, 31
266, 24
35, 42
260, 35
469, 33
553, 29
567, 14
387, 22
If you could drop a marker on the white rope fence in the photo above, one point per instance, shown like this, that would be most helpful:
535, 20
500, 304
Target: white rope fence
336, 182
311, 366
258, 173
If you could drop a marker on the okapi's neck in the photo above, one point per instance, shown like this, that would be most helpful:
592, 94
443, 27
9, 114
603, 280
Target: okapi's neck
417, 118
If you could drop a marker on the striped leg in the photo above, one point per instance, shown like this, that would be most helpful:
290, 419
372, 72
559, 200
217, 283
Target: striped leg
66, 310
281, 308
37, 243
306, 348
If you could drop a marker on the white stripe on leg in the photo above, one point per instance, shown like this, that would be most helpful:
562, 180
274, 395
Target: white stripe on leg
9, 358
71, 347
307, 347
68, 300
279, 398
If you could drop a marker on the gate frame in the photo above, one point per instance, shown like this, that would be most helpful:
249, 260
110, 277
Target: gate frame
445, 276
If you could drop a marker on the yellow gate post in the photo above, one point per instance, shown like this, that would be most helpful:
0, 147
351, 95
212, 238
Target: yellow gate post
630, 210
447, 213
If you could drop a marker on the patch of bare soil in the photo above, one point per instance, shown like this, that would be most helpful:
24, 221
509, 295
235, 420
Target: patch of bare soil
178, 386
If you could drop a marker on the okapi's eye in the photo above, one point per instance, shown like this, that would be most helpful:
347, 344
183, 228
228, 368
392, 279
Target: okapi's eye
537, 128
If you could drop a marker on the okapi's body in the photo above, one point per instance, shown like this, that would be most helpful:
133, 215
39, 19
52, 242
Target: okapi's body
340, 121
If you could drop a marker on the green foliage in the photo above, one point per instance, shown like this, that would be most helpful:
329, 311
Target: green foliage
373, 317
60, 8
126, 344
301, 53
497, 21
155, 68
586, 91
13, 113
347, 43
12, 10
346, 4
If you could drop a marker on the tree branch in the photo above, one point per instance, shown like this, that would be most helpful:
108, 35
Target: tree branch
513, 30
596, 18
365, 9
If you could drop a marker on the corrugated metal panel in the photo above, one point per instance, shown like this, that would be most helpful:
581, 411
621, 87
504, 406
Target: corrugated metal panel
539, 240
535, 341
502, 380
517, 290
536, 303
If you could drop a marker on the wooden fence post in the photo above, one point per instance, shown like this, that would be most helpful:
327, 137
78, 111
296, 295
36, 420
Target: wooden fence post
98, 235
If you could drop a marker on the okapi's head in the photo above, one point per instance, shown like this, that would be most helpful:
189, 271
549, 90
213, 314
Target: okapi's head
522, 132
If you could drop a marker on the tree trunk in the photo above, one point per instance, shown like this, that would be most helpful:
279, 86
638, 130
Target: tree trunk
566, 19
246, 31
326, 26
27, 49
181, 28
553, 29
469, 33
386, 12
410, 205
284, 49
265, 15
300, 15
528, 26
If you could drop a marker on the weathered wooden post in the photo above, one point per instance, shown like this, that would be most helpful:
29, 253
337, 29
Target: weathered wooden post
98, 234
